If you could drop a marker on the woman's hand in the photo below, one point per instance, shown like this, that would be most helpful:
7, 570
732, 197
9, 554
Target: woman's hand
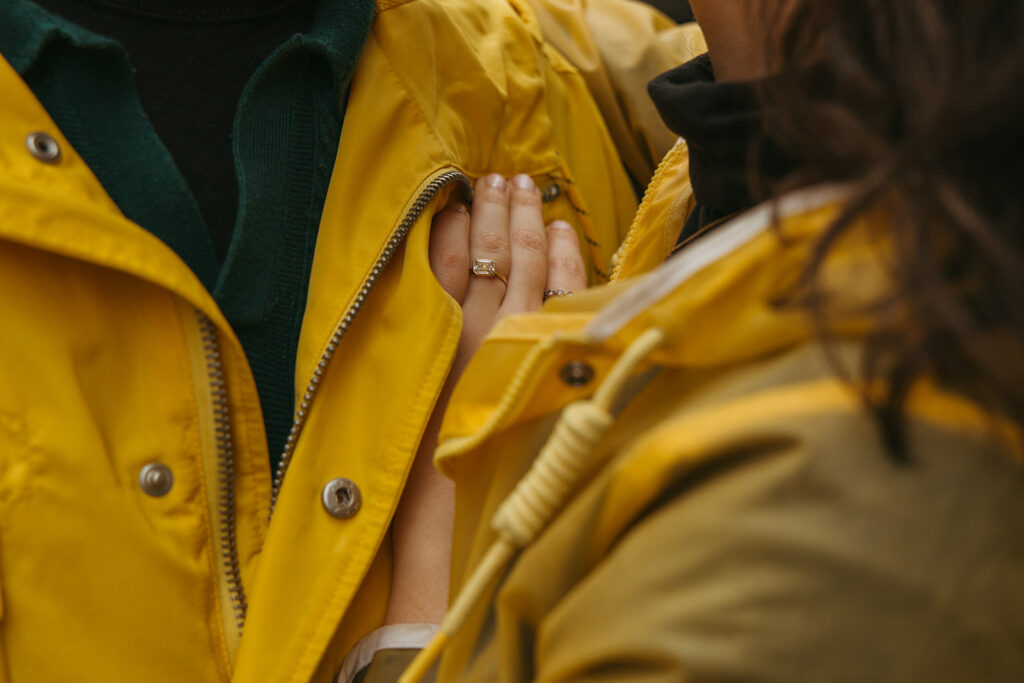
505, 226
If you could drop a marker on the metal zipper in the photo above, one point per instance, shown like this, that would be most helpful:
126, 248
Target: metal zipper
397, 237
225, 469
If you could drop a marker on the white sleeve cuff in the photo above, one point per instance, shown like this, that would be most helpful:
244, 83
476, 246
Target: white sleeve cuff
393, 637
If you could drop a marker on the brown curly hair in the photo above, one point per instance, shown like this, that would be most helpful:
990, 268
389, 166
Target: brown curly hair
921, 100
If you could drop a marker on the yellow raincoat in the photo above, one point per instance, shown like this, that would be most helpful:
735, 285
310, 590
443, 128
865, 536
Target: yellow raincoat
664, 480
619, 46
136, 539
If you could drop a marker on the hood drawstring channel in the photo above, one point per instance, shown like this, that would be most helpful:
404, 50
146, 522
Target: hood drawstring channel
541, 493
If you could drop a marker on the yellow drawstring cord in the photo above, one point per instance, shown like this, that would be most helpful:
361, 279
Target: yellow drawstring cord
541, 493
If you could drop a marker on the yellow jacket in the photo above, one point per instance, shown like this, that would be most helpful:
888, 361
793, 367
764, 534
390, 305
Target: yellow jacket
114, 358
664, 480
619, 46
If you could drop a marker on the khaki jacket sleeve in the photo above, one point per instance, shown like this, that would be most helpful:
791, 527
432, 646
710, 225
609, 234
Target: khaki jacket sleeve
619, 46
777, 566
383, 655
387, 666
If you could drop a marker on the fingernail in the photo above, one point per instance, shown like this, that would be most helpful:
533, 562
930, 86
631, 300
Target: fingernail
458, 207
561, 225
496, 180
523, 182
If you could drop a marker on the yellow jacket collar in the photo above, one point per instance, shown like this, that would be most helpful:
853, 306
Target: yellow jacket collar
715, 301
650, 291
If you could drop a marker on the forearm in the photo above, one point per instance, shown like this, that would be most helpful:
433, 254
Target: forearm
422, 538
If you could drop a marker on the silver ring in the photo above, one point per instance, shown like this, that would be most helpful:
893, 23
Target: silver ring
548, 293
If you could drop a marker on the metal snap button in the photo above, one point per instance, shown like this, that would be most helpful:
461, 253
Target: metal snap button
577, 373
156, 479
43, 147
550, 193
341, 498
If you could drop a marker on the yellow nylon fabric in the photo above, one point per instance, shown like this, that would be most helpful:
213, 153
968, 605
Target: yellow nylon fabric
102, 369
619, 47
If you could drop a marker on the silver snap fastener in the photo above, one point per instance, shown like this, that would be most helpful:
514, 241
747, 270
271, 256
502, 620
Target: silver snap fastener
156, 479
550, 193
577, 373
43, 147
341, 498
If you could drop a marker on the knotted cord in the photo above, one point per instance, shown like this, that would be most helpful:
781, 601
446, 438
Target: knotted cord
541, 493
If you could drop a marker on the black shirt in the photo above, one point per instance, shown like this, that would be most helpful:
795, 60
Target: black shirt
192, 59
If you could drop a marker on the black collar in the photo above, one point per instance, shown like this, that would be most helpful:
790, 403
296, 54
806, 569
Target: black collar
195, 11
732, 162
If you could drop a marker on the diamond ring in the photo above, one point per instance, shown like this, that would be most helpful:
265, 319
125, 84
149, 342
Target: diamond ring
484, 267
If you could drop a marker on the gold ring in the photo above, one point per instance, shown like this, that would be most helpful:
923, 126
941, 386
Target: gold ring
484, 267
